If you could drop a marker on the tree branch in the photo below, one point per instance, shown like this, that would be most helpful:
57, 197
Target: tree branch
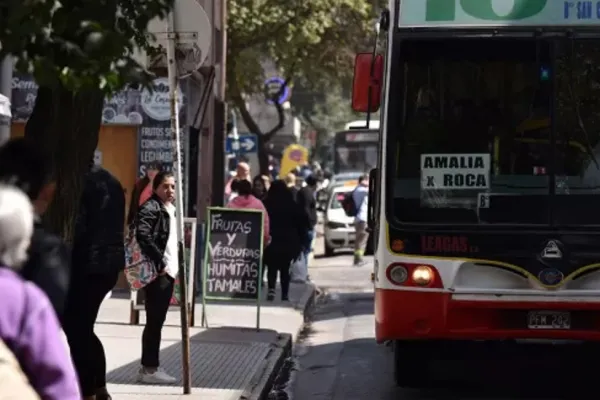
240, 104
279, 107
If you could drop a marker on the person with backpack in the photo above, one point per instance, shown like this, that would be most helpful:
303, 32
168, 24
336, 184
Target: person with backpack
360, 204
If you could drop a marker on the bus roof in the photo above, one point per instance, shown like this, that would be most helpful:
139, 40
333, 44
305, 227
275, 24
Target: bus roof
373, 124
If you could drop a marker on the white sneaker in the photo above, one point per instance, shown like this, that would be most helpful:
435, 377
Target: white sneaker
158, 377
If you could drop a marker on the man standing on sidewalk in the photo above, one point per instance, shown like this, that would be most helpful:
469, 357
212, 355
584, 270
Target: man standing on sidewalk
360, 196
307, 200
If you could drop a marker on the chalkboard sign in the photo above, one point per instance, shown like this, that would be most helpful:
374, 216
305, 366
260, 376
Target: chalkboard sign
233, 254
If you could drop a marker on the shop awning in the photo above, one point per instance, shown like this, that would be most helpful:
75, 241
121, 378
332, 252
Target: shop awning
4, 106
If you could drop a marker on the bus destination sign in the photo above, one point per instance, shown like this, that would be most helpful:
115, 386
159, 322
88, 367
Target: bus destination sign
362, 137
497, 13
455, 171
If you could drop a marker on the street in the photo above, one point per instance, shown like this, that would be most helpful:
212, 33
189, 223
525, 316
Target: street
337, 357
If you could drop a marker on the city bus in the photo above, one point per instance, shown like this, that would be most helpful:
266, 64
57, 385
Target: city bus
485, 196
355, 148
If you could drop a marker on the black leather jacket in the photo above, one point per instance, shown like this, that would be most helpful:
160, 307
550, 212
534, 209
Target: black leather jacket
152, 230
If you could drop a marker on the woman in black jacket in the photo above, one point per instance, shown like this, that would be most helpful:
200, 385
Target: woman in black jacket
156, 234
288, 227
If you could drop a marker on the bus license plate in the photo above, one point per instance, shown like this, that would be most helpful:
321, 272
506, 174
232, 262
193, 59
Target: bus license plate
549, 320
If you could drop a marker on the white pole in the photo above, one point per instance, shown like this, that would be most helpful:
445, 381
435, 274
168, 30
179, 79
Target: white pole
6, 76
174, 101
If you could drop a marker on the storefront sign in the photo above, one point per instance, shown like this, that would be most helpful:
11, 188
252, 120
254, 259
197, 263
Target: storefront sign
233, 260
123, 108
156, 102
155, 136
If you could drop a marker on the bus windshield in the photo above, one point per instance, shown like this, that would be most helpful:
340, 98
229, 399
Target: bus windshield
355, 150
496, 131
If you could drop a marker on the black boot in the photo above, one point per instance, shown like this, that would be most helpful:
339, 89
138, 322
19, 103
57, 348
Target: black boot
102, 394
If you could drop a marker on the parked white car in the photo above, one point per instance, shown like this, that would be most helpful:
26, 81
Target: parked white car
338, 227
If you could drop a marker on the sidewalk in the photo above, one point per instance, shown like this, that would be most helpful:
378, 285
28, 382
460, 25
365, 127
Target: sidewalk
229, 361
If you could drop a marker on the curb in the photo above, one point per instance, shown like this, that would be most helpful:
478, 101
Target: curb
262, 381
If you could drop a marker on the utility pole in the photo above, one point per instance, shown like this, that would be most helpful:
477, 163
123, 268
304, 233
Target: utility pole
213, 127
6, 76
220, 111
175, 128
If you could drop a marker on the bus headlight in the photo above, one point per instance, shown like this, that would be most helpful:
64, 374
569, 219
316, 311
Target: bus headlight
422, 275
398, 274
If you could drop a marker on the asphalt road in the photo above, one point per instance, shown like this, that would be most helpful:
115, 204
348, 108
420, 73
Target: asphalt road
338, 359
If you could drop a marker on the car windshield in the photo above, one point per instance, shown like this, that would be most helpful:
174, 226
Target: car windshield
336, 200
355, 150
357, 156
497, 131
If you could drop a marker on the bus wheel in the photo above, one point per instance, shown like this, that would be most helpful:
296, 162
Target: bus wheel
411, 364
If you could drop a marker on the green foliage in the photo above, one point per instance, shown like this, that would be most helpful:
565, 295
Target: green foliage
325, 112
313, 42
79, 44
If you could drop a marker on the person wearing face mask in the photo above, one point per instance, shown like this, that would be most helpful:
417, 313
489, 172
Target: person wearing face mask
156, 233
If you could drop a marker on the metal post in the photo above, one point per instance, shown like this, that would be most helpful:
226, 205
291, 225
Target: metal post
6, 76
205, 157
183, 303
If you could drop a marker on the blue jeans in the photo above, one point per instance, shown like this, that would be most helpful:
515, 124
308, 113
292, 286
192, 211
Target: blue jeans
307, 245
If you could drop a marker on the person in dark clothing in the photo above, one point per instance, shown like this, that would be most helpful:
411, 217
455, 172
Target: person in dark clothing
142, 191
288, 228
98, 255
260, 186
307, 200
156, 233
25, 165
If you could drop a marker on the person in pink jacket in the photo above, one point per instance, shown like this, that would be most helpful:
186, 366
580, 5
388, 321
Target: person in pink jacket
246, 200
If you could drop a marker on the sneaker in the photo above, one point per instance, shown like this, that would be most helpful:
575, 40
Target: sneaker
158, 377
271, 295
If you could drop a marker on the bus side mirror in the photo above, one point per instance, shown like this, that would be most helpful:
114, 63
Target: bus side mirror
368, 77
372, 190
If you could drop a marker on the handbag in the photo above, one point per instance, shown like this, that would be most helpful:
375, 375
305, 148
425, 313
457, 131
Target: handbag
139, 270
298, 269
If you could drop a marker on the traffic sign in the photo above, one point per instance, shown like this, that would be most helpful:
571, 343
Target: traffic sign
273, 86
243, 145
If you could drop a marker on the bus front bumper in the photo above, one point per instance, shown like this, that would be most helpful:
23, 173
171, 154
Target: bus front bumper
419, 315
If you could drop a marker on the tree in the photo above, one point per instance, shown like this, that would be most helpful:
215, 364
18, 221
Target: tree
324, 111
309, 41
78, 51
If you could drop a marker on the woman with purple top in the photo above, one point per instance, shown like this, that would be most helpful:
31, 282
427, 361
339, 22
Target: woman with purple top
28, 324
